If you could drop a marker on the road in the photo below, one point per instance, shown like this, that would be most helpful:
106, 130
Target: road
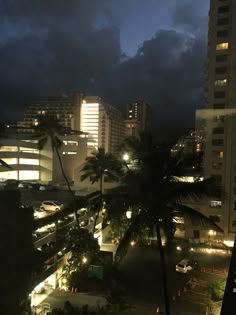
143, 280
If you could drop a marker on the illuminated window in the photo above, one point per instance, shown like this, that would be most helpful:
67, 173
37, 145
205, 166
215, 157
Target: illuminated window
221, 82
28, 150
215, 204
28, 175
219, 118
69, 152
218, 154
29, 161
8, 149
10, 161
222, 46
9, 175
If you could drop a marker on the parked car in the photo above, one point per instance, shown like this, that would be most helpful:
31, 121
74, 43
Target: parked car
51, 205
39, 213
186, 265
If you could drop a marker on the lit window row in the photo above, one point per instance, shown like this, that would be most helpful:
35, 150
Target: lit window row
221, 82
222, 46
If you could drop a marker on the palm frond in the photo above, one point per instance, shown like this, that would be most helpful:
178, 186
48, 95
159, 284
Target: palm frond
126, 239
196, 218
5, 164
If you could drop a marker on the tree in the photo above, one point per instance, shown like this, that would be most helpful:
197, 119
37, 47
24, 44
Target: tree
17, 247
155, 191
96, 167
49, 129
83, 248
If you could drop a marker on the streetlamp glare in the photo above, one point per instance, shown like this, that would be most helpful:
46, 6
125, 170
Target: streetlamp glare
126, 157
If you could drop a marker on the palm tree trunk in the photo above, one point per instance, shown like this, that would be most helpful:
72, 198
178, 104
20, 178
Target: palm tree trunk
68, 185
163, 268
100, 203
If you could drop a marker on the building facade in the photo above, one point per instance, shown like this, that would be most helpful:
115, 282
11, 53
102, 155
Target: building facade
66, 109
218, 118
138, 118
103, 124
29, 162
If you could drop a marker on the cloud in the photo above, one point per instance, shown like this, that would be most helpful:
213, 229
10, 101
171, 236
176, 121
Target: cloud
167, 72
191, 15
48, 47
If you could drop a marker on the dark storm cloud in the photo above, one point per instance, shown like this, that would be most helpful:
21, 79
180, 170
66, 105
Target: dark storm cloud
49, 47
188, 15
168, 73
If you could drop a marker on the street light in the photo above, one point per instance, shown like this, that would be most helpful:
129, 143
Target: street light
126, 157
84, 260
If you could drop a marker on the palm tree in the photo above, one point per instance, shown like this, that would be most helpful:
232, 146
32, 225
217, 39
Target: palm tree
153, 189
96, 167
48, 128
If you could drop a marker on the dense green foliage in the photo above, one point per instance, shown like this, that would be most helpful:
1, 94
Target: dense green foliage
216, 290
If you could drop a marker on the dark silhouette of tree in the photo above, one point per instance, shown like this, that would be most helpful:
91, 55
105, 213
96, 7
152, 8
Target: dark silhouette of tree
96, 167
154, 190
17, 253
49, 129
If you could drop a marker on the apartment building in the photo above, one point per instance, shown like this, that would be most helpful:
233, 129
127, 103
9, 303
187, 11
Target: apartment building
66, 109
218, 118
103, 123
138, 118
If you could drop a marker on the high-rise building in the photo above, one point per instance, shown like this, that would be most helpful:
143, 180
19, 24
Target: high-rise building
66, 109
103, 123
218, 118
138, 118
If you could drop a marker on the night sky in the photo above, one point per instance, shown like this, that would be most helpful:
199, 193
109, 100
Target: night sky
123, 51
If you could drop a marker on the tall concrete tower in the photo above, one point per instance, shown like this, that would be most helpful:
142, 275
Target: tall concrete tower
218, 118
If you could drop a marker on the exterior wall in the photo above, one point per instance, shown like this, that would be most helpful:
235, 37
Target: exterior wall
73, 153
23, 157
103, 123
30, 163
218, 119
220, 162
221, 61
140, 112
65, 109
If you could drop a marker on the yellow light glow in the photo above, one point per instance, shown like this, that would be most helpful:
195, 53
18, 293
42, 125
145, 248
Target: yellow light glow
28, 175
222, 46
5, 148
229, 243
9, 175
221, 82
29, 161
126, 157
10, 161
84, 260
212, 232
